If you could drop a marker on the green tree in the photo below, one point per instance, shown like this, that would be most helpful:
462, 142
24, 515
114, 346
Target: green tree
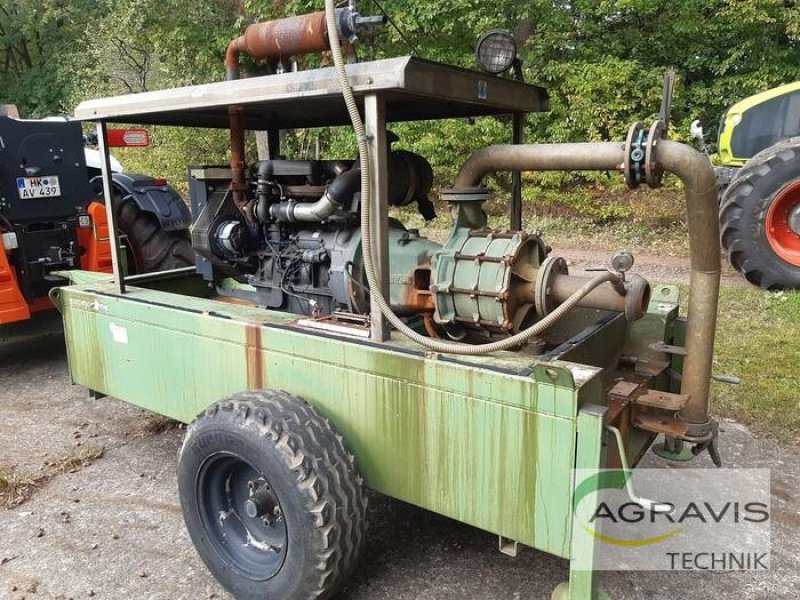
41, 41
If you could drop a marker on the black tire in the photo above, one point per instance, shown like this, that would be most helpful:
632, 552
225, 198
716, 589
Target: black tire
298, 462
743, 216
724, 177
150, 247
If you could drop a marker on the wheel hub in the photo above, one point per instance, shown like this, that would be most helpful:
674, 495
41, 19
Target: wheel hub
794, 220
783, 224
242, 516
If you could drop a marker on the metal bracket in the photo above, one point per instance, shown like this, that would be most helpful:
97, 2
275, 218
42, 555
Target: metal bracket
668, 349
662, 400
507, 546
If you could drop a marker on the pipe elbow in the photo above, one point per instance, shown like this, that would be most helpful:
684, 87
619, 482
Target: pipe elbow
235, 48
344, 186
702, 202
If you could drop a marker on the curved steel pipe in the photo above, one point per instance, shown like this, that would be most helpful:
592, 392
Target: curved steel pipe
694, 169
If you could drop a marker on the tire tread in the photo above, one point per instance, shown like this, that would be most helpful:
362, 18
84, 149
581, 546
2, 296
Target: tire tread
737, 241
325, 471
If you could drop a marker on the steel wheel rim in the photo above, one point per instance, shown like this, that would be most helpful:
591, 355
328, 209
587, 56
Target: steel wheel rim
255, 547
783, 240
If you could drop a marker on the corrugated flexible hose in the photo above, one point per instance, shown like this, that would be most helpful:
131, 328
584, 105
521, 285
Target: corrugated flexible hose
366, 235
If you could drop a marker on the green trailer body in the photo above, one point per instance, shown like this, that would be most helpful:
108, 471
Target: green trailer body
491, 441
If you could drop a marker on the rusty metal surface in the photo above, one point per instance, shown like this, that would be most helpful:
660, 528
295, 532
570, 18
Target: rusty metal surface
668, 348
238, 166
280, 39
660, 424
650, 368
623, 390
661, 400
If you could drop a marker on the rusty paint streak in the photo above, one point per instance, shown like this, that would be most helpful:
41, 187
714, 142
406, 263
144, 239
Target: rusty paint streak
255, 358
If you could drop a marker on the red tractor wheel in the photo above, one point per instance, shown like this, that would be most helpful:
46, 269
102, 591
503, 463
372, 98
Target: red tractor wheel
783, 224
760, 218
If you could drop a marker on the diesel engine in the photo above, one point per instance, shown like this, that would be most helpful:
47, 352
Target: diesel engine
295, 245
292, 242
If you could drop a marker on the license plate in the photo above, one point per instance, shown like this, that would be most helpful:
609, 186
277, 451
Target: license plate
38, 187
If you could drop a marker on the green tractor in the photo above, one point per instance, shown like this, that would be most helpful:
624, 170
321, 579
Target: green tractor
759, 181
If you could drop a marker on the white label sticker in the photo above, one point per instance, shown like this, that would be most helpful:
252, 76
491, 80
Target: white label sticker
118, 333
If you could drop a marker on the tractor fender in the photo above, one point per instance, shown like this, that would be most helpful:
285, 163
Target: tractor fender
155, 197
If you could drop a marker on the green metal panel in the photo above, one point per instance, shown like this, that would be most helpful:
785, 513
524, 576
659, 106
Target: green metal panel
489, 441
589, 456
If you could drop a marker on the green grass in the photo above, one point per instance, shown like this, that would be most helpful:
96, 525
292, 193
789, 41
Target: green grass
758, 340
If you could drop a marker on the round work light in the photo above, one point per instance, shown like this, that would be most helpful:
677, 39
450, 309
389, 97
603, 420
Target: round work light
496, 51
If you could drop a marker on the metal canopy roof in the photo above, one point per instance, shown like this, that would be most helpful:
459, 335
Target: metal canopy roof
414, 89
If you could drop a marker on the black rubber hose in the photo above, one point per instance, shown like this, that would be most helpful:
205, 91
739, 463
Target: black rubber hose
341, 189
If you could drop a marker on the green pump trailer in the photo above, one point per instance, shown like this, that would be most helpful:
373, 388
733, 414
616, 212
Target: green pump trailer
321, 348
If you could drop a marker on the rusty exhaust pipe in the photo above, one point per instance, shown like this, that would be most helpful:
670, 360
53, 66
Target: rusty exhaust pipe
694, 170
238, 165
278, 40
295, 36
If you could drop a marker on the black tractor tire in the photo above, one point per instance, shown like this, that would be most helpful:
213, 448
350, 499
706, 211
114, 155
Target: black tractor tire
283, 448
151, 248
743, 216
724, 177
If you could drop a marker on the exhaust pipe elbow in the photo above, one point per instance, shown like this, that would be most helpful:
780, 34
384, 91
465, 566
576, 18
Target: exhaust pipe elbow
235, 48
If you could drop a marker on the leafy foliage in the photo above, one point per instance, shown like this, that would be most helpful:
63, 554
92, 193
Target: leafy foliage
601, 60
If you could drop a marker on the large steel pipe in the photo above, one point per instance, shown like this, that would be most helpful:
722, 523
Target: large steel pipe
633, 302
694, 169
702, 204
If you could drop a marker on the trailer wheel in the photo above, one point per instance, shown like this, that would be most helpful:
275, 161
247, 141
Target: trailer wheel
151, 248
272, 499
760, 217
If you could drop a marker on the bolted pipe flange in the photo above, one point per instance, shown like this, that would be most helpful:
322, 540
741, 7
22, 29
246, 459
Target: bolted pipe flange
699, 433
634, 156
654, 172
551, 267
640, 165
637, 298
465, 194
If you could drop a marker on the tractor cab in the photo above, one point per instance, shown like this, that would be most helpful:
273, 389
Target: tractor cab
758, 122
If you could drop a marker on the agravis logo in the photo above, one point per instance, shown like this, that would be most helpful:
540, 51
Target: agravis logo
694, 519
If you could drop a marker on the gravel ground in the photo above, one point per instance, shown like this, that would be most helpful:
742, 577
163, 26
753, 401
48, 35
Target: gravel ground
113, 529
